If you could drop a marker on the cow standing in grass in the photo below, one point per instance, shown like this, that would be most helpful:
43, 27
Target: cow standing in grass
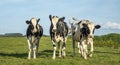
83, 33
34, 33
58, 33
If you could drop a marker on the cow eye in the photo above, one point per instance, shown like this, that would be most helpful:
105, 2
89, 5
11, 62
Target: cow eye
93, 30
83, 30
32, 27
88, 31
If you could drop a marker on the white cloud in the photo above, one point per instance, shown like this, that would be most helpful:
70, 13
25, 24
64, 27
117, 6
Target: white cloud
112, 25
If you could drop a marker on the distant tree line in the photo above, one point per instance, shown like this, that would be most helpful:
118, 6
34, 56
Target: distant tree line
12, 35
16, 35
110, 40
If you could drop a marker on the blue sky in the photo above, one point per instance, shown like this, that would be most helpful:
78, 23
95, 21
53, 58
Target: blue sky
14, 13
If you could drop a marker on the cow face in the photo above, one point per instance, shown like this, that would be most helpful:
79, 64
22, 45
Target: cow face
54, 20
60, 22
88, 29
61, 26
33, 24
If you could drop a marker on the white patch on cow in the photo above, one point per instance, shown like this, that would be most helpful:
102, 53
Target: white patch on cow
84, 48
29, 51
79, 50
34, 51
54, 21
54, 50
57, 38
34, 23
90, 41
91, 27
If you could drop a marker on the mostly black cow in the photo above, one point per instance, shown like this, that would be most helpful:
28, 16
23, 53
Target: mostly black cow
58, 33
34, 33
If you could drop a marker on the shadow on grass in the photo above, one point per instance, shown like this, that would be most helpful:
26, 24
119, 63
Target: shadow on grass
43, 54
46, 53
49, 53
23, 55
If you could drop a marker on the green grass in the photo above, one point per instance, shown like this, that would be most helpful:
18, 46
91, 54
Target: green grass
13, 51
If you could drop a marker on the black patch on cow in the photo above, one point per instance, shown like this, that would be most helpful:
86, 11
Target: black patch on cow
54, 45
64, 45
85, 30
62, 27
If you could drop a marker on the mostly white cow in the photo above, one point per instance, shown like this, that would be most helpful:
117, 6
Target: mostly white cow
34, 33
83, 33
58, 33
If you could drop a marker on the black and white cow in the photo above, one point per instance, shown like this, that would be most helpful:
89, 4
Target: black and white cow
58, 33
83, 33
34, 33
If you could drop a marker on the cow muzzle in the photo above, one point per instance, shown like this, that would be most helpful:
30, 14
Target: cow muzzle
34, 30
54, 30
90, 36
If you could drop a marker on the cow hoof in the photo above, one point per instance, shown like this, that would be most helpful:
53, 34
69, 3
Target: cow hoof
60, 56
85, 58
28, 58
90, 55
53, 58
63, 56
34, 58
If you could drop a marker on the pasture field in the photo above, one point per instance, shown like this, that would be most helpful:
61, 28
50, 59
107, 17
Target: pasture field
14, 50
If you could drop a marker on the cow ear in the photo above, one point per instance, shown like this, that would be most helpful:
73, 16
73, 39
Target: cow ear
50, 17
38, 20
28, 22
97, 26
73, 18
79, 22
63, 18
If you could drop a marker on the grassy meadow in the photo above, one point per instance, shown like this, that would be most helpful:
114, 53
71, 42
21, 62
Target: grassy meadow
14, 50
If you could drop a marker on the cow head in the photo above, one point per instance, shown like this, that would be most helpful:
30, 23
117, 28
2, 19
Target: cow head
61, 22
61, 26
75, 24
33, 24
88, 29
54, 20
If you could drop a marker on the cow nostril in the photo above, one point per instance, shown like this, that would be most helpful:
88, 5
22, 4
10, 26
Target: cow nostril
90, 36
34, 31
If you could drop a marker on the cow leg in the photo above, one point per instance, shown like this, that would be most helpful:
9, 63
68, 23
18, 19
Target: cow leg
84, 51
73, 48
37, 44
63, 49
79, 50
54, 49
34, 50
59, 47
30, 49
91, 48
